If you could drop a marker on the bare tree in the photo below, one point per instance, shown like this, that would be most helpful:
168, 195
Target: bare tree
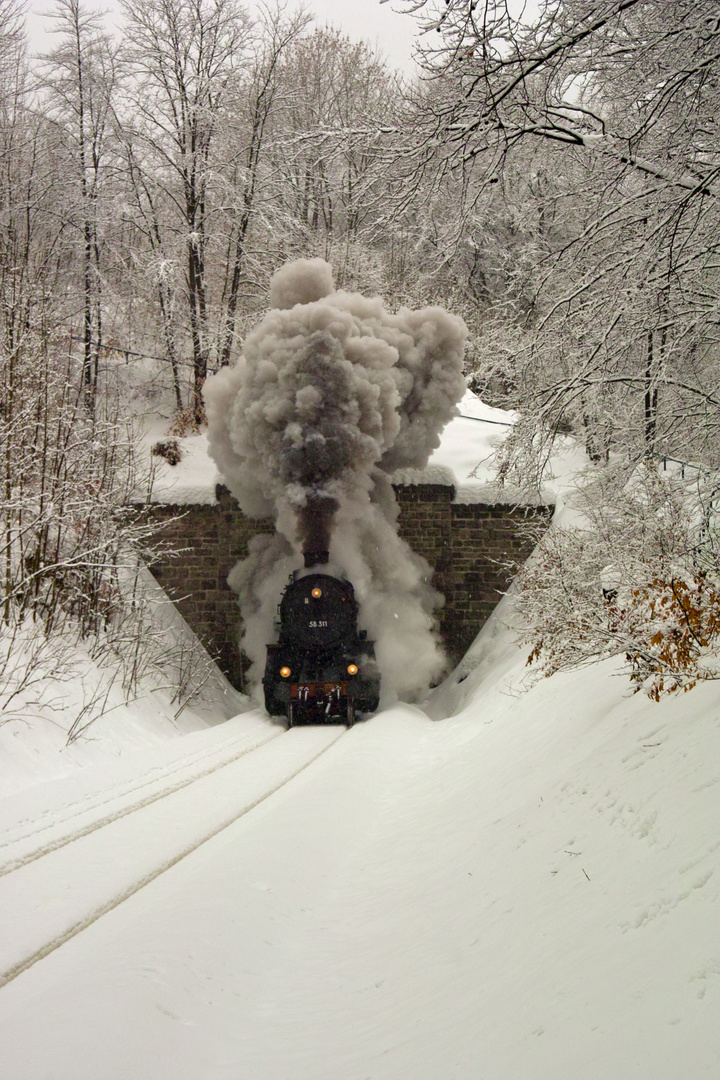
614, 101
185, 59
69, 539
79, 84
275, 36
581, 136
156, 255
340, 96
334, 158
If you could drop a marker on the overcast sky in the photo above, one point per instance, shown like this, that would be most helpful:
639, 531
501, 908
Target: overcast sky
360, 19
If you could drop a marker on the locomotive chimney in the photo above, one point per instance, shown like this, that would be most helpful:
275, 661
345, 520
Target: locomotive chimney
316, 558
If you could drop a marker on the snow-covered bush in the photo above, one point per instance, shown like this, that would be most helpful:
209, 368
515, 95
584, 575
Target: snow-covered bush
679, 623
73, 543
635, 572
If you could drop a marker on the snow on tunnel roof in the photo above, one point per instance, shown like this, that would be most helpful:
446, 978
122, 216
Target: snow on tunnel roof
464, 461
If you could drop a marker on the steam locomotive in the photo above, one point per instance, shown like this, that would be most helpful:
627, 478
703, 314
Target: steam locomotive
322, 668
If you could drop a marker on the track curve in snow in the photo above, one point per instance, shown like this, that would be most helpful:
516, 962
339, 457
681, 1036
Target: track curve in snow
52, 898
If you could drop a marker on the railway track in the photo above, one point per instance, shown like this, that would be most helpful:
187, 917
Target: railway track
55, 891
38, 835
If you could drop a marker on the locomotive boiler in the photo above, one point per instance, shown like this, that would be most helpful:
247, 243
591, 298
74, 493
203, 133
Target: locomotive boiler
322, 668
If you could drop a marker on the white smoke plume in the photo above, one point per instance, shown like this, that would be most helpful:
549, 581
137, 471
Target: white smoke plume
332, 394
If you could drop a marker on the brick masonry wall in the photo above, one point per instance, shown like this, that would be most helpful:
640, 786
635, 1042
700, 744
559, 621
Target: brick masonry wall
469, 547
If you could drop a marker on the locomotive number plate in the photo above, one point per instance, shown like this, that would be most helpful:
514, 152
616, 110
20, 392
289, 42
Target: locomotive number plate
318, 623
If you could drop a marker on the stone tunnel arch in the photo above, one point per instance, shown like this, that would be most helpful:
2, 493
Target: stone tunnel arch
469, 545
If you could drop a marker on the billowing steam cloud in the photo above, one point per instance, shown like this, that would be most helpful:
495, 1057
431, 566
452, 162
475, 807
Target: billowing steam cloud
334, 393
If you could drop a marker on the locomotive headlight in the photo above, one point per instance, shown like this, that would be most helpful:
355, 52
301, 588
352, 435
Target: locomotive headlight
317, 593
285, 671
352, 669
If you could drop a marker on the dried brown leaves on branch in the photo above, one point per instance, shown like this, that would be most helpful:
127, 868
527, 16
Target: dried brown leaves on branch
635, 573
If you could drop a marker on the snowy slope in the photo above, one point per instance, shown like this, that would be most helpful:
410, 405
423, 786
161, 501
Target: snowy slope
527, 889
186, 693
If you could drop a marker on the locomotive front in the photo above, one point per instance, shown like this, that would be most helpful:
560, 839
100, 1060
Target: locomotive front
322, 669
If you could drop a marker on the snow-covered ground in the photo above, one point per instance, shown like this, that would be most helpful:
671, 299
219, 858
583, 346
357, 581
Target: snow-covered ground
511, 883
526, 889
